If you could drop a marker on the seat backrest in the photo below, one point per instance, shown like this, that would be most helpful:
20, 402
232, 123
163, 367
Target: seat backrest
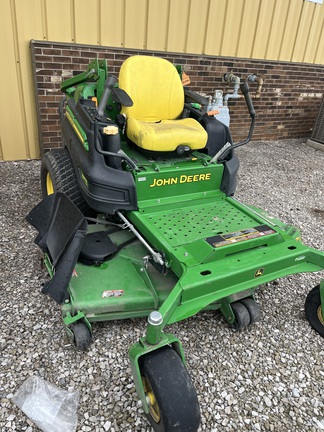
155, 87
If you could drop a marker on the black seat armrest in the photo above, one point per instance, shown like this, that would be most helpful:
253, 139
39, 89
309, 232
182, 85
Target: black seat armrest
193, 97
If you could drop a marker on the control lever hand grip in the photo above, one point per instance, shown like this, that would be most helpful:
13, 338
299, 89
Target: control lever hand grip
245, 91
109, 85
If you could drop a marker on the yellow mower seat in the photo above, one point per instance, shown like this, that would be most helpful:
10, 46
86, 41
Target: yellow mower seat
153, 121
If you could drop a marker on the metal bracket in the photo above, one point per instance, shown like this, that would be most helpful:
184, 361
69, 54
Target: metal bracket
157, 257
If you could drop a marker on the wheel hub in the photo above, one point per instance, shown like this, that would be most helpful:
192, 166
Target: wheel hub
49, 185
320, 314
153, 405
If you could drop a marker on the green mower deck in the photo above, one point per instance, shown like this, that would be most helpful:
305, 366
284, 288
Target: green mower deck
217, 251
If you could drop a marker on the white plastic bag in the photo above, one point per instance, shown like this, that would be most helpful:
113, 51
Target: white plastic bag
49, 407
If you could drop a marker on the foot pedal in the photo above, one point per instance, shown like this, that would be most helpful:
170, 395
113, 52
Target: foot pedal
97, 248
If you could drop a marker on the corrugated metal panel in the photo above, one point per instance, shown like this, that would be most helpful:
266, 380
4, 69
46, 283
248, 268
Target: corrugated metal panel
112, 30
17, 103
291, 27
319, 56
35, 24
1, 154
249, 20
263, 29
314, 35
198, 14
281, 10
178, 25
157, 25
135, 23
11, 132
215, 27
233, 20
86, 21
59, 20
304, 26
288, 30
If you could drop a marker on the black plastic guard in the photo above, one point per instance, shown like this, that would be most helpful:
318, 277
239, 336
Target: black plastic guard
229, 180
61, 230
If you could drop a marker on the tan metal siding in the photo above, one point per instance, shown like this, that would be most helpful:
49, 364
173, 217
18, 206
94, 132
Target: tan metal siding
278, 29
178, 25
26, 25
287, 30
319, 56
215, 27
59, 18
18, 122
314, 36
135, 23
249, 21
112, 30
263, 28
196, 34
157, 25
304, 27
86, 21
291, 26
231, 32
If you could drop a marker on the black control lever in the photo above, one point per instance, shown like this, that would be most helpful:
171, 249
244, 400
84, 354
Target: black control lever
223, 152
109, 85
245, 91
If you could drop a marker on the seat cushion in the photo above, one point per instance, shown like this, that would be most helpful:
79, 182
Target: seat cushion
155, 87
166, 135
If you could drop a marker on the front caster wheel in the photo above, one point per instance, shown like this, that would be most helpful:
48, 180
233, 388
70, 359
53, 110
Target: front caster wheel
246, 312
314, 310
242, 315
253, 309
81, 336
173, 403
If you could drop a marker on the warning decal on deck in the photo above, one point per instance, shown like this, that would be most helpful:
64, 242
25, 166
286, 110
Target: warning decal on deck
239, 236
112, 293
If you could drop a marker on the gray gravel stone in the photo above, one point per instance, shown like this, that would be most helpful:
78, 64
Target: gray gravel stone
267, 377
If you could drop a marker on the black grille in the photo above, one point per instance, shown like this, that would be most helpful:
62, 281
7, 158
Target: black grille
318, 131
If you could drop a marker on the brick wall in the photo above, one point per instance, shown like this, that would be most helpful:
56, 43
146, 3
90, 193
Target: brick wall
287, 108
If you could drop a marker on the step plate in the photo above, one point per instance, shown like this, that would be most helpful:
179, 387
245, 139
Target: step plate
188, 224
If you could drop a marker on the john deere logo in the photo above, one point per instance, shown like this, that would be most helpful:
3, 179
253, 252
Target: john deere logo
182, 179
259, 272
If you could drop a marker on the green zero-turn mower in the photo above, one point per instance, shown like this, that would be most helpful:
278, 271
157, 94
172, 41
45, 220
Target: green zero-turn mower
139, 220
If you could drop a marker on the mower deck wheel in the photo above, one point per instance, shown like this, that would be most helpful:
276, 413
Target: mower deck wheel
314, 310
81, 336
242, 315
173, 403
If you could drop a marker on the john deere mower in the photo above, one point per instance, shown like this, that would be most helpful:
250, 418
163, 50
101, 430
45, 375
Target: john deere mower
139, 219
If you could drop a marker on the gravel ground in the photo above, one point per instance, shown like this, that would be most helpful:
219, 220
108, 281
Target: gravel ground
268, 377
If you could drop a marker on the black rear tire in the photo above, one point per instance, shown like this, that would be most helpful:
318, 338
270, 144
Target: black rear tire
58, 175
174, 403
313, 310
